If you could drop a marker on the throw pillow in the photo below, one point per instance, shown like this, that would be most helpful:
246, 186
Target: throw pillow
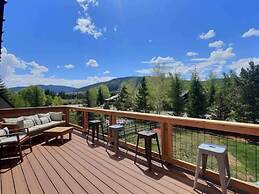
56, 116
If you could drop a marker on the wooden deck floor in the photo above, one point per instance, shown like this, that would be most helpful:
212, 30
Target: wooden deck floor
76, 167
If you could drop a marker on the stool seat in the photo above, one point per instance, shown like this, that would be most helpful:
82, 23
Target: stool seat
117, 126
147, 133
213, 148
95, 122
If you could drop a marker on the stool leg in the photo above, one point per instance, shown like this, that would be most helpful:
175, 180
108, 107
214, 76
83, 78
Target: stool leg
158, 147
204, 163
108, 138
97, 129
102, 132
93, 134
227, 165
136, 149
222, 175
148, 150
197, 171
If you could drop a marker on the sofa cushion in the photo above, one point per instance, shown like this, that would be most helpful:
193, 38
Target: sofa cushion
56, 116
36, 120
12, 120
29, 118
11, 139
28, 123
44, 120
45, 115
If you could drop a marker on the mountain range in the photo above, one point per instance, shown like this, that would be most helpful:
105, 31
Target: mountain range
113, 85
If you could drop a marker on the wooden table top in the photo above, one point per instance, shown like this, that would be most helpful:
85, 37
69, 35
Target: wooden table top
58, 130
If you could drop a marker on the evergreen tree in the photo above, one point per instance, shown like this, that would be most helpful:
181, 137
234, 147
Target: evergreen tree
124, 101
176, 95
100, 97
87, 98
3, 89
248, 84
221, 108
142, 97
197, 105
212, 92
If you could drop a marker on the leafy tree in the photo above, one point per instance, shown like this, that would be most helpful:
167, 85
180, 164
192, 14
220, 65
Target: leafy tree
197, 105
17, 100
92, 97
176, 95
103, 93
56, 101
49, 100
124, 101
248, 84
100, 97
3, 89
34, 95
142, 97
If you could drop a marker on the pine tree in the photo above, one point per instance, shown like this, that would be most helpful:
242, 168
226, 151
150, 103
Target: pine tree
176, 95
212, 92
3, 89
100, 97
221, 106
124, 101
87, 98
142, 97
197, 106
248, 84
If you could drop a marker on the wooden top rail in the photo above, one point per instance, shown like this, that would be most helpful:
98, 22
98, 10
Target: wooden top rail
225, 126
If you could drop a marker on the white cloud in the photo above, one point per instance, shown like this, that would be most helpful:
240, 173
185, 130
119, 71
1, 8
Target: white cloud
84, 23
236, 66
115, 28
207, 35
163, 65
150, 41
191, 54
216, 44
251, 32
69, 66
92, 63
34, 74
106, 72
36, 69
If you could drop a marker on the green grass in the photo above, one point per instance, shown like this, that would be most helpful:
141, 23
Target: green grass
243, 155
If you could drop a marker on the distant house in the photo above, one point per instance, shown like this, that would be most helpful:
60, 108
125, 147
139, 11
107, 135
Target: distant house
4, 103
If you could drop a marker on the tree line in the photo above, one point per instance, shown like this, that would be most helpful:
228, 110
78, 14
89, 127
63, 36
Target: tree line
234, 97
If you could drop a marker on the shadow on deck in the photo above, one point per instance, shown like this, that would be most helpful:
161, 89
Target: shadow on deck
78, 167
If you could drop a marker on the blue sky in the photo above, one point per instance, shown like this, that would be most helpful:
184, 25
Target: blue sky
80, 42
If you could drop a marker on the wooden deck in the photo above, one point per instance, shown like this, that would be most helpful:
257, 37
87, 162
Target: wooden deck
76, 167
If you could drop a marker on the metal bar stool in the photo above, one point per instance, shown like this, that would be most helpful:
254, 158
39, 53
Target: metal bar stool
113, 136
94, 126
148, 135
220, 153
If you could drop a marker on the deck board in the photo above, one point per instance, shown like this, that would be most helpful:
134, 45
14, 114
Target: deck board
77, 167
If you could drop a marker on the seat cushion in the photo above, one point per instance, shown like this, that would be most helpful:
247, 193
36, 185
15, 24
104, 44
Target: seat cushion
27, 123
40, 128
10, 140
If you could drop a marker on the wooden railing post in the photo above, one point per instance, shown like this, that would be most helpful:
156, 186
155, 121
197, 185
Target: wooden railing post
67, 116
166, 140
85, 121
112, 119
